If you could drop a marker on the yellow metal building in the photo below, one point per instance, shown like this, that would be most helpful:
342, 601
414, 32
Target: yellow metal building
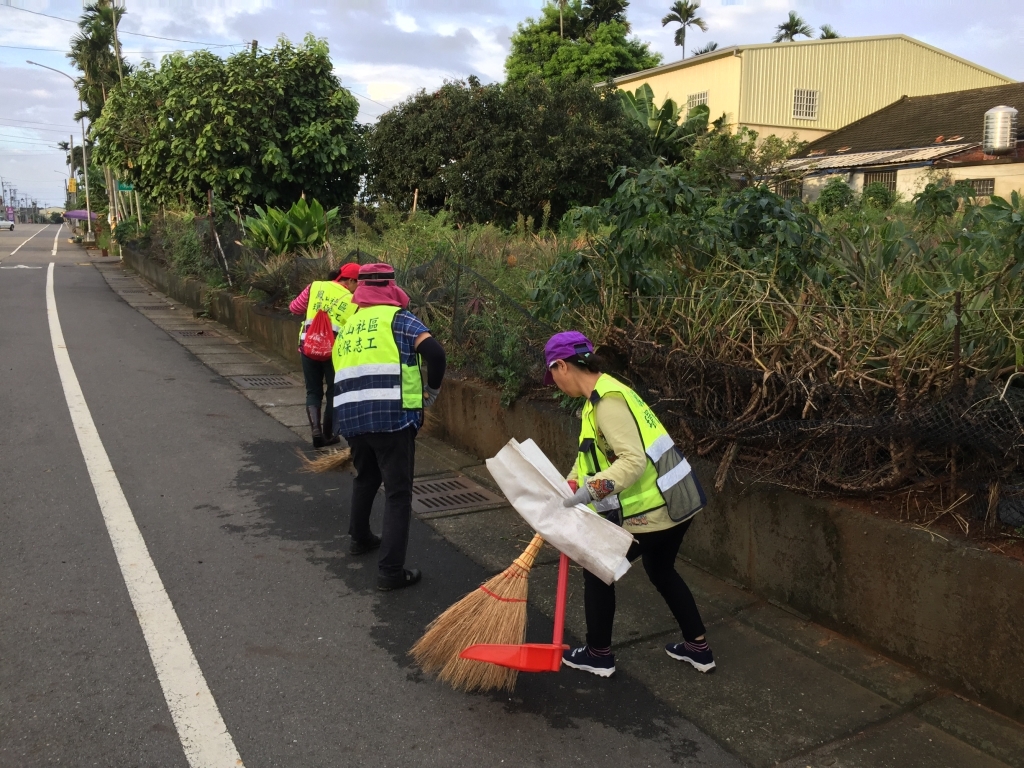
810, 87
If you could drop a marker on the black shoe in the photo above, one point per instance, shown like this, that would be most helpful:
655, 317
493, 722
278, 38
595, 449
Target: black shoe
362, 547
582, 658
404, 578
331, 440
313, 414
702, 661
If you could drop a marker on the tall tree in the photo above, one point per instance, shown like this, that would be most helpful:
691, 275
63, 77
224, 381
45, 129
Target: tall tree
92, 53
492, 152
684, 13
828, 32
787, 31
261, 127
704, 49
578, 40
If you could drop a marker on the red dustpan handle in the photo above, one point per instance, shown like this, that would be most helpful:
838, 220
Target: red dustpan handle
530, 657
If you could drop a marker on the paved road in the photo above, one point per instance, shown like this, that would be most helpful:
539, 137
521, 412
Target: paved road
304, 660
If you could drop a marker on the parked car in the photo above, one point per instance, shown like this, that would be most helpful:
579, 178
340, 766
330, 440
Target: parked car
8, 225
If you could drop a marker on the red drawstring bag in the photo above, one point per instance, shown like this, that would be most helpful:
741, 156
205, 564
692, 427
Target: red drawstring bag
319, 339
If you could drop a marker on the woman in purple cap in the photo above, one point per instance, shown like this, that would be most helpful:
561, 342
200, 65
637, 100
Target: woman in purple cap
628, 470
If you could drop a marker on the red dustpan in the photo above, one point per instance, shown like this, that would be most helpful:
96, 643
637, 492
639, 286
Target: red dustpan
530, 657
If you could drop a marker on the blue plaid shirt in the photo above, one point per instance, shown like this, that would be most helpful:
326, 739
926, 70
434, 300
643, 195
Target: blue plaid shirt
385, 415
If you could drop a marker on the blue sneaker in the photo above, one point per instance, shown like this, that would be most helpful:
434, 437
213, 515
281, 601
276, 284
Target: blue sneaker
582, 658
702, 661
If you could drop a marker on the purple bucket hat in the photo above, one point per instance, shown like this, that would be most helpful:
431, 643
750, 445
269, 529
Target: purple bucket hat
562, 346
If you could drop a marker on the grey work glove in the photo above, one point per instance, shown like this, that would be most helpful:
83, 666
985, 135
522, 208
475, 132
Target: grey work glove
582, 496
430, 396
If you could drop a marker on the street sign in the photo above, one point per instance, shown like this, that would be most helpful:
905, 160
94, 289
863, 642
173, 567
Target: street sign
122, 187
72, 186
10, 213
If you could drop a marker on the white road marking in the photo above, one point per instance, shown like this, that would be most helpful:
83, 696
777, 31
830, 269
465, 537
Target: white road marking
204, 736
54, 251
21, 266
33, 235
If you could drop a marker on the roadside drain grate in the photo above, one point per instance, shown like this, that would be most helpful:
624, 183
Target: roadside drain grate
195, 334
152, 307
450, 493
133, 290
263, 382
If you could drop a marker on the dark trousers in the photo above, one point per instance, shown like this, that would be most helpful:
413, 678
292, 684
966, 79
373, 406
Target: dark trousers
317, 374
659, 551
384, 457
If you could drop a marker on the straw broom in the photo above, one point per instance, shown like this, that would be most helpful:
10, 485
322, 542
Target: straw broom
341, 458
495, 612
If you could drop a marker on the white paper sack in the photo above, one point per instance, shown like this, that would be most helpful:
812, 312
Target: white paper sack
536, 489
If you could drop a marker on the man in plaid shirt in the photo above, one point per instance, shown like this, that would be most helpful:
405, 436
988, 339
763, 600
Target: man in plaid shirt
379, 396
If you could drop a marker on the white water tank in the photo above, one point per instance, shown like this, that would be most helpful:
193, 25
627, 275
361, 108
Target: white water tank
1000, 136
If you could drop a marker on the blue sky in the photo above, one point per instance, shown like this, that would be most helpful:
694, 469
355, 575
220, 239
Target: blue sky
385, 50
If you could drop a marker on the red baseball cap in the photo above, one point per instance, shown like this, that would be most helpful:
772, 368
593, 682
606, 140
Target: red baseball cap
349, 271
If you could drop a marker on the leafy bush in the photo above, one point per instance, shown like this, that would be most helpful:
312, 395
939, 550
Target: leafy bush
280, 232
942, 201
256, 127
877, 195
836, 196
489, 153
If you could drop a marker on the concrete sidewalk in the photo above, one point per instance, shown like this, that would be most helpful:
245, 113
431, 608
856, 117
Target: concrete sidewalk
787, 691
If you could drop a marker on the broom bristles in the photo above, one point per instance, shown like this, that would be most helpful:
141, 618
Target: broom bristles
495, 612
329, 462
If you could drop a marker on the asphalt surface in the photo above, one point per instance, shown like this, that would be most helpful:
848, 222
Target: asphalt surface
305, 659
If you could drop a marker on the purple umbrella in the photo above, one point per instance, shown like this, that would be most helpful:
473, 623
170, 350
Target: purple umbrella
80, 215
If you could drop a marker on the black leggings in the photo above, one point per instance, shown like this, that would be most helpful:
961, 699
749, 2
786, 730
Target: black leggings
659, 551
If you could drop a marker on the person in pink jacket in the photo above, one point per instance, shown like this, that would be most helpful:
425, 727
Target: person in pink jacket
319, 373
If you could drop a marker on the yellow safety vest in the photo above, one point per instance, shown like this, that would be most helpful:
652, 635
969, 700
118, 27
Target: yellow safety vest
367, 363
667, 480
331, 297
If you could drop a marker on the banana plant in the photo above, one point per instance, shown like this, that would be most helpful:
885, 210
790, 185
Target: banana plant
667, 137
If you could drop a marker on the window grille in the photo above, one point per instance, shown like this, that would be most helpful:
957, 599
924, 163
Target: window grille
805, 104
696, 100
888, 178
790, 188
983, 187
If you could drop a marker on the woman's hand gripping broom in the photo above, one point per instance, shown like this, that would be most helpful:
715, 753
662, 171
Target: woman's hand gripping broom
495, 612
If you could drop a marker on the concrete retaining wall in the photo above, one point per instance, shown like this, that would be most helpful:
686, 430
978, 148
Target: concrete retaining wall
276, 332
955, 612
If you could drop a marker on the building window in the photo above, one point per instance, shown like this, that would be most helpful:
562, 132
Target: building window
805, 104
696, 100
790, 188
888, 178
983, 187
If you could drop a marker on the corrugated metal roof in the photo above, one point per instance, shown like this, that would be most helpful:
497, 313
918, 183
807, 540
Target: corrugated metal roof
916, 121
737, 49
885, 157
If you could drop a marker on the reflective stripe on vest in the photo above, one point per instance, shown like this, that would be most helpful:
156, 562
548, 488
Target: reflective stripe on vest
667, 480
368, 365
331, 297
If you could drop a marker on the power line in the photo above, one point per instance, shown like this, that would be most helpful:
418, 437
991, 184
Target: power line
126, 32
73, 124
34, 128
123, 51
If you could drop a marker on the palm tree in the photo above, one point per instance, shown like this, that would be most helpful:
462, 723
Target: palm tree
92, 53
706, 49
561, 23
791, 27
684, 13
828, 32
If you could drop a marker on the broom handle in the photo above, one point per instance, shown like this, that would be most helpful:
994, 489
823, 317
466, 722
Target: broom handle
563, 587
525, 560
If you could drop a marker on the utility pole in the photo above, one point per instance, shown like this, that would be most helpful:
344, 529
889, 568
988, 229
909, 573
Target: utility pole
89, 237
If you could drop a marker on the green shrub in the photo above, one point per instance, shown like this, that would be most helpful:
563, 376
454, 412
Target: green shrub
877, 195
279, 232
836, 196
